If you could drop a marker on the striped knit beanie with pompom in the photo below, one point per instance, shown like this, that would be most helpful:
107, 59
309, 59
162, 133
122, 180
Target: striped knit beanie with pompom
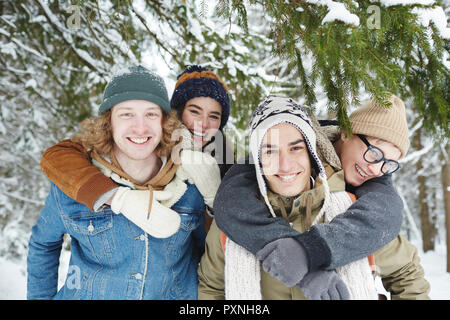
197, 81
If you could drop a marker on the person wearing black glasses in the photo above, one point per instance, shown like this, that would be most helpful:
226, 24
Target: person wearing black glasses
374, 155
363, 160
371, 225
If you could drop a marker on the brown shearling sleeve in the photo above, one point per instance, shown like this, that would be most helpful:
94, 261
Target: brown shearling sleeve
68, 165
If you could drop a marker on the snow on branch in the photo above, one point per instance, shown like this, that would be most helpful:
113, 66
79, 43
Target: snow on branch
435, 15
12, 195
67, 37
425, 14
417, 154
31, 50
337, 11
390, 3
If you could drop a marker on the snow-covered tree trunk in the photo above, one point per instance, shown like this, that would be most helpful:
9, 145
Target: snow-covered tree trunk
428, 229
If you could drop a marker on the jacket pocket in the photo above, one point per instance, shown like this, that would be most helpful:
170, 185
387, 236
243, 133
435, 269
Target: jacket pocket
181, 240
190, 207
92, 230
189, 222
91, 224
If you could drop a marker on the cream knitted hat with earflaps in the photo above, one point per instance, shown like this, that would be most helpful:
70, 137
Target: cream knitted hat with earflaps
242, 272
386, 123
274, 110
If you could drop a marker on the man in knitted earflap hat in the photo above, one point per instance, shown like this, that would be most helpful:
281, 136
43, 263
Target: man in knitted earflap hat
368, 158
283, 146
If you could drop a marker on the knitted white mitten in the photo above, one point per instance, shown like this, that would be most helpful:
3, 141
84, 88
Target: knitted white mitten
162, 222
202, 168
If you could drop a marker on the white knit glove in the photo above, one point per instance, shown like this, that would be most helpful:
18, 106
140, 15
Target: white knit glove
202, 168
162, 222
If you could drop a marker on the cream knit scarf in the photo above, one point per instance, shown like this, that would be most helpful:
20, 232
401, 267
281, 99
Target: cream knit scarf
243, 274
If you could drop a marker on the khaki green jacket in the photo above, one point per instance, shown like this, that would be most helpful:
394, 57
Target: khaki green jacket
397, 262
398, 265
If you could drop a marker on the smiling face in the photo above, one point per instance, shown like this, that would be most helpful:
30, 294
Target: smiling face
136, 129
285, 160
356, 169
202, 116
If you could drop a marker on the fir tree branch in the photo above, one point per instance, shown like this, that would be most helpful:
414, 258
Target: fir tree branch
155, 37
69, 44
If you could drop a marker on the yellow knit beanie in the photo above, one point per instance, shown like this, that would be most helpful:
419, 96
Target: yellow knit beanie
386, 123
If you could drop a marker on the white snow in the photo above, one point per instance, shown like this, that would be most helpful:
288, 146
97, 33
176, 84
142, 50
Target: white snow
13, 279
435, 15
194, 27
13, 282
67, 35
390, 3
31, 83
337, 11
10, 49
434, 263
425, 15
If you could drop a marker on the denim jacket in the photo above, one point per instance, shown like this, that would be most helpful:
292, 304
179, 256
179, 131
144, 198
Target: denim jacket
112, 258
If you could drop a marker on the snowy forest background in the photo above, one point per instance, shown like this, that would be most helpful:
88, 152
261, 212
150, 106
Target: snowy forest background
57, 56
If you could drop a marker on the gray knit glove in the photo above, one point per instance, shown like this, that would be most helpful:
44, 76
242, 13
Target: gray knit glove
284, 259
324, 285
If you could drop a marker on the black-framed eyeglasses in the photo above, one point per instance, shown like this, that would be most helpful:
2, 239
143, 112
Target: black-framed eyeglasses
375, 155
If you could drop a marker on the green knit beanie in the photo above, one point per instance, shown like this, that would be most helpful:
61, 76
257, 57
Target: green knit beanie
135, 83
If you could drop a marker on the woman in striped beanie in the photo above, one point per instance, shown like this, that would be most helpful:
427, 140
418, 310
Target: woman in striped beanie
202, 103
